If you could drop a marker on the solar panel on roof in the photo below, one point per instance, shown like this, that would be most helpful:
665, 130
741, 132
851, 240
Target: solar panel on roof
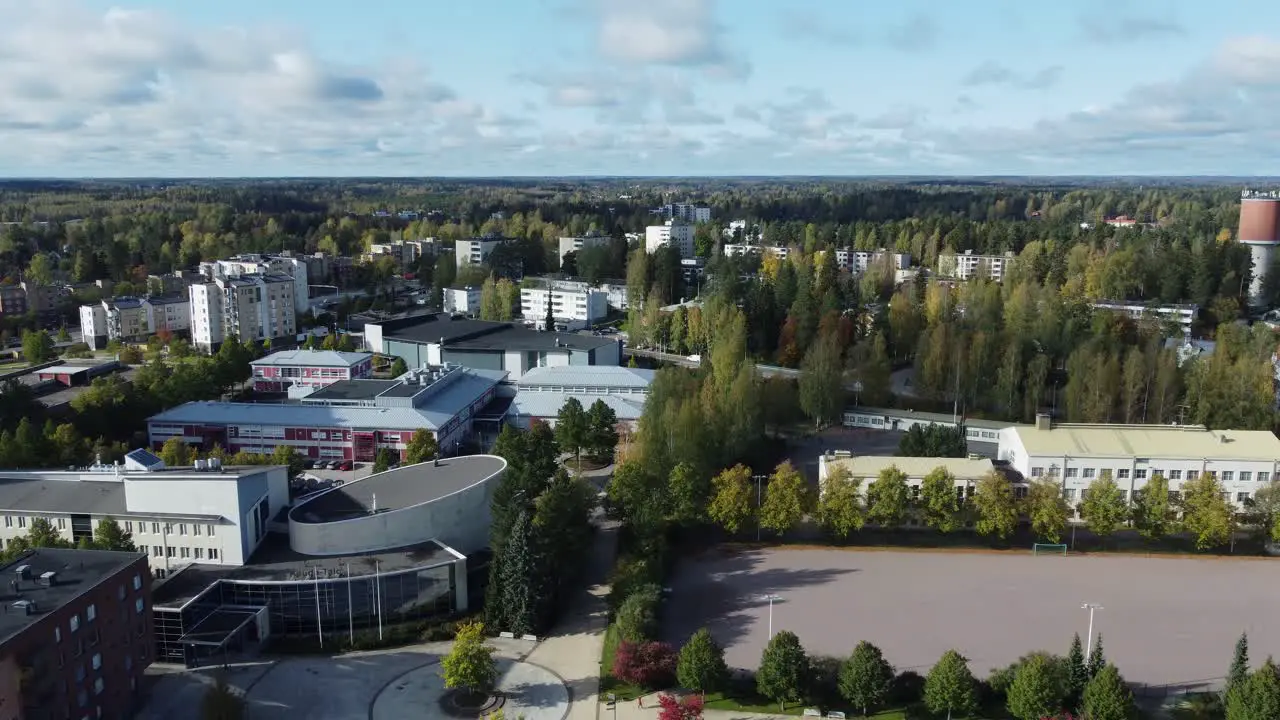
142, 459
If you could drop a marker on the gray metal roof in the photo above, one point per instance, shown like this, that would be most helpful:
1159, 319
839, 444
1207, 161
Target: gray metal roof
312, 358
606, 376
397, 489
483, 335
97, 497
542, 404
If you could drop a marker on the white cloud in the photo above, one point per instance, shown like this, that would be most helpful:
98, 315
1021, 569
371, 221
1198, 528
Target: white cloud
665, 32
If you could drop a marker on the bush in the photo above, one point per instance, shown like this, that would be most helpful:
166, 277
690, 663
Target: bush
651, 665
628, 576
77, 350
907, 688
637, 619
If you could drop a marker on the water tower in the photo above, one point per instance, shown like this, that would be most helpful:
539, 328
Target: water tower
1260, 230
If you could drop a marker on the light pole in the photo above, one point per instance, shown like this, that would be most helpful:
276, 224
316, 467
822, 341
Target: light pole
771, 598
1088, 643
758, 479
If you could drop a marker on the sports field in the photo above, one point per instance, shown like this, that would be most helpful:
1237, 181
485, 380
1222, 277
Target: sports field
1168, 623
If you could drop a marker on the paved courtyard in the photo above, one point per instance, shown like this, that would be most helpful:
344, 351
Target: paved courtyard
403, 684
1170, 623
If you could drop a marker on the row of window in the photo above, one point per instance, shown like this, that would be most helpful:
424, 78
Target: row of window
1227, 476
140, 528
181, 552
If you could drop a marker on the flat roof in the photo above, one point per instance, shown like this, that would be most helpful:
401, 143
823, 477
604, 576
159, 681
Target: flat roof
77, 491
78, 572
360, 389
547, 404
1150, 441
939, 418
570, 376
869, 466
483, 335
312, 358
275, 561
397, 489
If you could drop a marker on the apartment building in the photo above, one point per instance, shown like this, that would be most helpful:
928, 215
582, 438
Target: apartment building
93, 325
406, 253
475, 251
574, 244
1077, 454
572, 308
126, 319
76, 634
857, 261
13, 300
285, 265
742, 249
615, 293
1183, 316
209, 513
461, 300
288, 369
42, 299
675, 233
688, 212
542, 392
969, 265
251, 307
170, 312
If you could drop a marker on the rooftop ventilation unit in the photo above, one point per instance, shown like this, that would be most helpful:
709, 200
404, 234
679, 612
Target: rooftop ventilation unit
49, 578
23, 572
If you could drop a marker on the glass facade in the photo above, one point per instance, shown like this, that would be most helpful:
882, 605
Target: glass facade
331, 605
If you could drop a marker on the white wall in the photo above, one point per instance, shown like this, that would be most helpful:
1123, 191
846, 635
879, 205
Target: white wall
373, 337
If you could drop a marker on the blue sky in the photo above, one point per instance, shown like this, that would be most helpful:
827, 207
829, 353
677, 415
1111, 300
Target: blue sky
638, 87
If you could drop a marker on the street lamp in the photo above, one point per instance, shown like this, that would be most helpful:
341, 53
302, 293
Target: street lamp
1091, 607
758, 479
770, 598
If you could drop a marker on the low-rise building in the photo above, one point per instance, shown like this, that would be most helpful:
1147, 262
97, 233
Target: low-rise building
965, 472
464, 300
436, 339
674, 233
686, 211
741, 249
1182, 316
542, 392
212, 513
76, 634
970, 265
289, 370
572, 308
347, 420
857, 261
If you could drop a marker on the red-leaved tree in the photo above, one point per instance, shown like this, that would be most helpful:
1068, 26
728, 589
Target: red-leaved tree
690, 708
650, 665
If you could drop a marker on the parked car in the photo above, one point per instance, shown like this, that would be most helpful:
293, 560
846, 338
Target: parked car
309, 464
345, 465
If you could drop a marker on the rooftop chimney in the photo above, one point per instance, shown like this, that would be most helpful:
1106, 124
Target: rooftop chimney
1043, 422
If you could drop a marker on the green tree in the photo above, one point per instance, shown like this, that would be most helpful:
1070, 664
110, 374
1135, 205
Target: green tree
1104, 508
289, 457
1097, 659
637, 617
602, 430
822, 382
1151, 508
1077, 671
865, 677
1036, 691
222, 702
470, 665
1264, 514
840, 508
562, 524
950, 686
175, 452
1047, 509
784, 670
108, 535
1107, 697
1239, 672
1206, 514
37, 347
690, 491
42, 534
939, 501
701, 665
887, 498
731, 499
637, 492
383, 460
572, 427
399, 367
1258, 697
520, 584
786, 499
421, 447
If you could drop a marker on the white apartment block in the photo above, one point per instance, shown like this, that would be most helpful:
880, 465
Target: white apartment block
687, 212
571, 308
857, 261
675, 233
969, 265
1181, 315
475, 251
177, 516
461, 300
168, 312
251, 307
1077, 454
615, 295
743, 249
574, 244
130, 319
93, 325
404, 254
252, 264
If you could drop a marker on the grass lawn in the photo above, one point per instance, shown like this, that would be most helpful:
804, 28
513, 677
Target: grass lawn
609, 683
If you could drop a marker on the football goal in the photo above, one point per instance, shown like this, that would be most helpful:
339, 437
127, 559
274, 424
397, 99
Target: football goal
1045, 549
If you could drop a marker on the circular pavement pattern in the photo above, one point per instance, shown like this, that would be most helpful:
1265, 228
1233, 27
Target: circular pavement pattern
530, 691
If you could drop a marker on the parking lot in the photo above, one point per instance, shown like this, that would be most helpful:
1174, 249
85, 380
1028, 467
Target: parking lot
313, 479
1169, 623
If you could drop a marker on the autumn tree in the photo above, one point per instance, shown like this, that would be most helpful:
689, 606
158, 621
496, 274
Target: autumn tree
786, 499
1151, 510
822, 382
1047, 509
421, 447
1104, 508
996, 508
1206, 514
731, 498
840, 507
888, 497
939, 502
470, 666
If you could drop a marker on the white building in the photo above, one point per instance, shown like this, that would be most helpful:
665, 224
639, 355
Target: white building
542, 392
251, 307
461, 300
615, 295
93, 325
177, 516
253, 264
1077, 454
740, 249
572, 308
168, 312
475, 251
969, 265
131, 319
966, 472
687, 212
675, 233
574, 244
857, 261
1181, 315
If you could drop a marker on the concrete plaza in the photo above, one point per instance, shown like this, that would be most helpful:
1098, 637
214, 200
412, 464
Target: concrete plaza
1168, 623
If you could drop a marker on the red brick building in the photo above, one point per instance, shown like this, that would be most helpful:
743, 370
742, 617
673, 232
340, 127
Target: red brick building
76, 634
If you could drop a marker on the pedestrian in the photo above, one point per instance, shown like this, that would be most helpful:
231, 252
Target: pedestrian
640, 701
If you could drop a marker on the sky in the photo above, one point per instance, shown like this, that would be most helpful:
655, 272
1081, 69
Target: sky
268, 88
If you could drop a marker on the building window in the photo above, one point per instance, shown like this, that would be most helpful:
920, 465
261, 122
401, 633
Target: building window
155, 528
8, 521
1264, 476
199, 553
75, 622
1175, 474
1246, 476
182, 528
1193, 474
1122, 474
57, 634
168, 552
1140, 474
22, 521
1228, 476
97, 661
195, 529
97, 686
157, 551
213, 553
91, 613
1037, 472
184, 552
1069, 493
137, 582
1073, 472
1089, 472
209, 530
120, 593
138, 605
1242, 497
62, 523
